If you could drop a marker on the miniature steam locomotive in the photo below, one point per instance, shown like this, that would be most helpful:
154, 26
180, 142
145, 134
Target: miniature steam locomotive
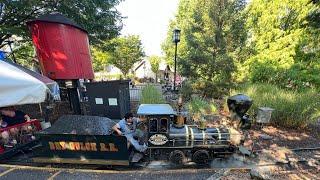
165, 133
169, 138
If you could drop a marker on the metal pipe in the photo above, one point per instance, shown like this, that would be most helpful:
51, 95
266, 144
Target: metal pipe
175, 67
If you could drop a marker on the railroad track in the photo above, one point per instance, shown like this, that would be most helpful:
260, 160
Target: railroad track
29, 172
22, 166
24, 160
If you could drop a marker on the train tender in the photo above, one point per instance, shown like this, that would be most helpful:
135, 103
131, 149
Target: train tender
80, 139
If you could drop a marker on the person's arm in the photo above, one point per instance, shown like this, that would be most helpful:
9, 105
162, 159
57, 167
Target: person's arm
137, 120
27, 117
116, 128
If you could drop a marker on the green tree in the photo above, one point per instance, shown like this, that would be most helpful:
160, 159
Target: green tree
98, 17
125, 51
286, 44
100, 58
25, 54
212, 35
314, 17
155, 63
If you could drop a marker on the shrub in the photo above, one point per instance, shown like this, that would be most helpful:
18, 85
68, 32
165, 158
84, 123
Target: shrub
186, 90
151, 95
298, 76
211, 89
292, 108
208, 89
198, 107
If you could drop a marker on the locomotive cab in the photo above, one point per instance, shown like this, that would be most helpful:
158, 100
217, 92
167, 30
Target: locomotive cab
158, 118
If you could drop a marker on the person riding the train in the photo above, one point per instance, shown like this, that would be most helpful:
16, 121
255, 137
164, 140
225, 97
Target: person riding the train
12, 117
127, 127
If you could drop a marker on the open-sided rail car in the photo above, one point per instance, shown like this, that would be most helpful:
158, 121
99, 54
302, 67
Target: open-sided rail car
23, 137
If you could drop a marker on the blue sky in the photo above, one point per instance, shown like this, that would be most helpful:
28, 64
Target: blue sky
149, 19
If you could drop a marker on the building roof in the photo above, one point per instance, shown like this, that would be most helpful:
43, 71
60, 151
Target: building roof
155, 109
57, 18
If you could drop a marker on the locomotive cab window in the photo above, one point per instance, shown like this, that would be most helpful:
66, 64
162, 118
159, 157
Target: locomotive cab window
163, 125
153, 125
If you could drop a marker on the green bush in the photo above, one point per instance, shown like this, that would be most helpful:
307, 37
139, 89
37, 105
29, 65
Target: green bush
198, 107
208, 89
211, 89
186, 90
292, 108
151, 95
298, 76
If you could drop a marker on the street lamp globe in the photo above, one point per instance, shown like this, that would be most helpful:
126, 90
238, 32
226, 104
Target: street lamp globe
176, 35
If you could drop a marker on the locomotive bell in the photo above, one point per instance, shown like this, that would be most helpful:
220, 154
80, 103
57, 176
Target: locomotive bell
238, 105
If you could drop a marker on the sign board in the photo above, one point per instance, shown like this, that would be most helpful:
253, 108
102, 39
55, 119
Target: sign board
83, 149
113, 101
99, 100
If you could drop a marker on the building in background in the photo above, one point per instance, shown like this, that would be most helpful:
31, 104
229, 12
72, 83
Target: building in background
142, 72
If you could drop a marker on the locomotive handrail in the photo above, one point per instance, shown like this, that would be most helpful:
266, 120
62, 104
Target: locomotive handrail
180, 140
208, 134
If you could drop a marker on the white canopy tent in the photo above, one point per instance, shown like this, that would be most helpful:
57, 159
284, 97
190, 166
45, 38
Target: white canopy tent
19, 85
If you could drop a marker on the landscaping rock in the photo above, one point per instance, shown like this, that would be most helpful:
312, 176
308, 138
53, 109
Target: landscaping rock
259, 173
219, 174
244, 151
266, 137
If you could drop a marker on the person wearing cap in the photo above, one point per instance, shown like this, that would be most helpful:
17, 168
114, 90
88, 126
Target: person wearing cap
127, 127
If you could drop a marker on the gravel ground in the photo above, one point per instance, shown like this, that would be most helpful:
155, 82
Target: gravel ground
274, 145
16, 173
275, 175
281, 137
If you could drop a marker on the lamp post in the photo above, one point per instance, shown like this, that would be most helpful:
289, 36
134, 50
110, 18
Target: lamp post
176, 39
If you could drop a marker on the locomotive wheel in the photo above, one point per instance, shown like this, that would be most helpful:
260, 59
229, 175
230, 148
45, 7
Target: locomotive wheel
177, 157
200, 157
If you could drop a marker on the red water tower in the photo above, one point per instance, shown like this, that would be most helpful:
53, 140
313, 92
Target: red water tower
62, 48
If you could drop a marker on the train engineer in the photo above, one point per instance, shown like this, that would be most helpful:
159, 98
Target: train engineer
127, 127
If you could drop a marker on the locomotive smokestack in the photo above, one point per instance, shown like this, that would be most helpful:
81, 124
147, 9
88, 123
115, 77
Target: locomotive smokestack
179, 122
